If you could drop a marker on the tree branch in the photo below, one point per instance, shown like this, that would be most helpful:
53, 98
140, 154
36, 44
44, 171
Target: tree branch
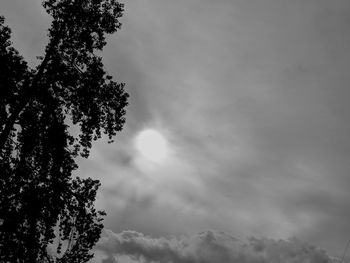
26, 97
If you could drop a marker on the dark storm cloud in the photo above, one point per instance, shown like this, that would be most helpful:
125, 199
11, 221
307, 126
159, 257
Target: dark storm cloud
208, 247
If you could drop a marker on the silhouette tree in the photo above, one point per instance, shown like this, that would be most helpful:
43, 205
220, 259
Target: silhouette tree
49, 116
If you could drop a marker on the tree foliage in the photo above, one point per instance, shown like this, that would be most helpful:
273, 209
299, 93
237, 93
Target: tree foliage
49, 115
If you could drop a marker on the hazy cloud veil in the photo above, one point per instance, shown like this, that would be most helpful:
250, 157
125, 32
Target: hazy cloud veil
253, 99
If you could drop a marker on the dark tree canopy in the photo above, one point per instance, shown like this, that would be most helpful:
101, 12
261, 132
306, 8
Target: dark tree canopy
48, 116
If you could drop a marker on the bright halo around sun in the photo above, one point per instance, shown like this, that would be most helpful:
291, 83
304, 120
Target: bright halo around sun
152, 145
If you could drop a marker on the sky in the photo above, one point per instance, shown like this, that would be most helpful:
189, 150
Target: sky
251, 98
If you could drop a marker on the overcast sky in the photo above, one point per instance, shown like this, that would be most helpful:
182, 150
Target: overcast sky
252, 98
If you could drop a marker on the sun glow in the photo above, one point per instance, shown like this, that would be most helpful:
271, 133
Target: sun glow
152, 145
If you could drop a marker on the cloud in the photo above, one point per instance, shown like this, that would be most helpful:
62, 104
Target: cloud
255, 97
208, 247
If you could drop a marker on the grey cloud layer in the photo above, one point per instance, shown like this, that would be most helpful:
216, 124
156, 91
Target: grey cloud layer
208, 247
254, 96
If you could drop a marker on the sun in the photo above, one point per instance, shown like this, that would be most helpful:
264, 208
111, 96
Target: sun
152, 145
